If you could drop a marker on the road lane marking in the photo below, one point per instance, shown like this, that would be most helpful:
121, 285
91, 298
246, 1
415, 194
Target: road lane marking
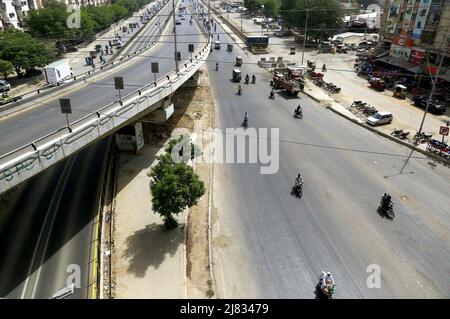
30, 269
64, 179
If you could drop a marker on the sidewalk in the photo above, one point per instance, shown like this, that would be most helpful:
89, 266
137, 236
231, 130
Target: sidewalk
148, 262
77, 59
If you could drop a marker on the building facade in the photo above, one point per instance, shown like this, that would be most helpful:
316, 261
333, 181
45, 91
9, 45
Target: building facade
415, 33
12, 12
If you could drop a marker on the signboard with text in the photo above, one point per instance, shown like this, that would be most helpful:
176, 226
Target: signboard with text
421, 18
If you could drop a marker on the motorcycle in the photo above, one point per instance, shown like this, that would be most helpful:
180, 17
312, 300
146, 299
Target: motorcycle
253, 79
326, 293
297, 189
272, 95
217, 66
386, 210
247, 79
245, 123
298, 115
239, 90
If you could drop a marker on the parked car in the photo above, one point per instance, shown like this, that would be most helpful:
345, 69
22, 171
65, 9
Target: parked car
380, 118
177, 22
435, 107
4, 86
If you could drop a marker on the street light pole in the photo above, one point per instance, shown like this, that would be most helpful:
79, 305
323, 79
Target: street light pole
444, 49
304, 36
262, 20
175, 36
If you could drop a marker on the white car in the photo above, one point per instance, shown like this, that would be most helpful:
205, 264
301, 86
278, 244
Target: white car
380, 118
4, 86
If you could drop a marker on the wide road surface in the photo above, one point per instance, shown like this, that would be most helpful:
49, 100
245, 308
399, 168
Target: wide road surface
270, 244
23, 127
47, 232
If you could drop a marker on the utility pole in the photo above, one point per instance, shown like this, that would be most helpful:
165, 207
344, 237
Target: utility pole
262, 20
304, 37
175, 36
444, 49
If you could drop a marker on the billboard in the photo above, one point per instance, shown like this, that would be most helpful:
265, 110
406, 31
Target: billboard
407, 17
392, 18
421, 19
400, 52
417, 56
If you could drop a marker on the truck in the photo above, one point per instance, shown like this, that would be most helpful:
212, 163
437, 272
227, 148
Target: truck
257, 41
57, 72
292, 87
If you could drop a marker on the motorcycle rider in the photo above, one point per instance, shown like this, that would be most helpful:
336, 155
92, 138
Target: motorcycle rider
326, 282
245, 118
386, 202
247, 79
217, 66
324, 68
299, 180
239, 89
253, 78
298, 110
272, 93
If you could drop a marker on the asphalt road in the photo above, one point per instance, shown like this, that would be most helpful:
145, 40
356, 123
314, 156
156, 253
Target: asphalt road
25, 126
270, 244
46, 234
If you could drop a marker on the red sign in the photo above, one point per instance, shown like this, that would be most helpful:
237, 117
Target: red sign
432, 69
403, 41
444, 130
417, 56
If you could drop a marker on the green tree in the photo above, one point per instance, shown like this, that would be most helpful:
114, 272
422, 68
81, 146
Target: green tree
6, 68
253, 5
324, 16
22, 51
271, 7
50, 22
175, 187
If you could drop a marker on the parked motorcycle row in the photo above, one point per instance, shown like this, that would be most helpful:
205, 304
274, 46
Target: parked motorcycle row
366, 108
327, 86
438, 148
400, 134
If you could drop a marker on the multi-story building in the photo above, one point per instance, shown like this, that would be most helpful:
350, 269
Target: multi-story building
416, 33
12, 13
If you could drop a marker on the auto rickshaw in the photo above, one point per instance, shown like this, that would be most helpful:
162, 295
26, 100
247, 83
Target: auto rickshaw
98, 47
229, 47
377, 84
238, 60
292, 51
237, 75
400, 91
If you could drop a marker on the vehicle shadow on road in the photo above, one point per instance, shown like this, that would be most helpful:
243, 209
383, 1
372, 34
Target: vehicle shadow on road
150, 246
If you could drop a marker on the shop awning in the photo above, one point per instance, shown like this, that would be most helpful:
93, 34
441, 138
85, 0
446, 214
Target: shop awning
378, 53
401, 64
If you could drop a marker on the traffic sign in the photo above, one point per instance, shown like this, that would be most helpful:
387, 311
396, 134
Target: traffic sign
444, 130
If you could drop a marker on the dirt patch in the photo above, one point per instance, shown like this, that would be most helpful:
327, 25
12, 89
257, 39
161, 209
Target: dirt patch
201, 110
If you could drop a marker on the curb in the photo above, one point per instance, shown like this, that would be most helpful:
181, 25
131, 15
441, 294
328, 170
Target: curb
392, 138
312, 97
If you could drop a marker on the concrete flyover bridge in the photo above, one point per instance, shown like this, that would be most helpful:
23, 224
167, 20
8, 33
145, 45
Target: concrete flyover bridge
32, 155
